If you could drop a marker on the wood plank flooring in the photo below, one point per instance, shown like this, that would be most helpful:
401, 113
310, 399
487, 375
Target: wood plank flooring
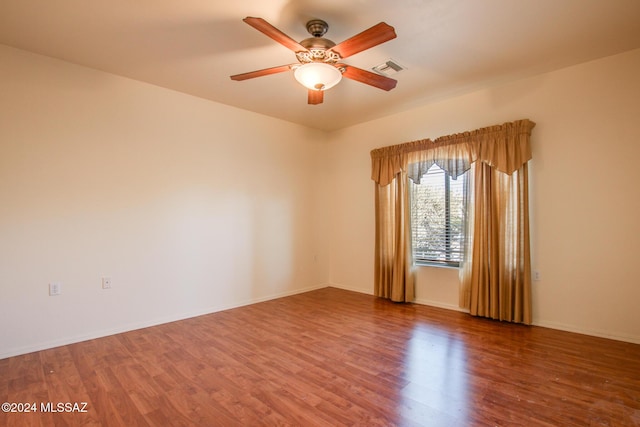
330, 358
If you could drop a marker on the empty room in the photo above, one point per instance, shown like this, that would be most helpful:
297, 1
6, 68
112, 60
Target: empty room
320, 213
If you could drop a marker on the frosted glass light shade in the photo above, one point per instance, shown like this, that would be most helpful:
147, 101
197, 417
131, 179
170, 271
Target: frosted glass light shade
317, 75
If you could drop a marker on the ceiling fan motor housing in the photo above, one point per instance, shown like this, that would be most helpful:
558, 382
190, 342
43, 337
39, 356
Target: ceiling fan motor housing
318, 48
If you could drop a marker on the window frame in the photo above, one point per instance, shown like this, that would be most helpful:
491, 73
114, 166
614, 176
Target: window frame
446, 262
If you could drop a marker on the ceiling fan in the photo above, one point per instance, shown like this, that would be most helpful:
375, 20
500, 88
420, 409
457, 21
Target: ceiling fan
320, 64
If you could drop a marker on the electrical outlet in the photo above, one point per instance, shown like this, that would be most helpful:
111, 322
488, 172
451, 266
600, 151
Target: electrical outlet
55, 288
536, 275
106, 283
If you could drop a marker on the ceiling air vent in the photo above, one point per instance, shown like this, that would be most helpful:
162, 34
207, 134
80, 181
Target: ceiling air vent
388, 68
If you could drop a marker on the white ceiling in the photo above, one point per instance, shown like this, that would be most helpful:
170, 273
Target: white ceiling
447, 46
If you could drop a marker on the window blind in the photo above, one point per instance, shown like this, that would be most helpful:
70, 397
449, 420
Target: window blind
437, 215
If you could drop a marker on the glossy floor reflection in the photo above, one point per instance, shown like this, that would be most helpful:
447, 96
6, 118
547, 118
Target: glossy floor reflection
435, 366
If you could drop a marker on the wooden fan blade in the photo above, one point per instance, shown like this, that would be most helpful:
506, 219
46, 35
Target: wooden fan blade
374, 36
367, 77
277, 35
260, 73
315, 97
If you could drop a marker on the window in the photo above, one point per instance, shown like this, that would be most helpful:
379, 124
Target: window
437, 215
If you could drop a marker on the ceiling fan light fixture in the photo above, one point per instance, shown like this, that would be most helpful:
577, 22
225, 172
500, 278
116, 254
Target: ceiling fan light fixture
317, 75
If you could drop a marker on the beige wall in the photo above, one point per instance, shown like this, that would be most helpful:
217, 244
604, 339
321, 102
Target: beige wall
585, 195
189, 206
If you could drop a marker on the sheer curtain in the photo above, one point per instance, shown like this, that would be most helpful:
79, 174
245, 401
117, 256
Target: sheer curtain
496, 271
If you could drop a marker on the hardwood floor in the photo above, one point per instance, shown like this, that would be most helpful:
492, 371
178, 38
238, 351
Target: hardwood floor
329, 358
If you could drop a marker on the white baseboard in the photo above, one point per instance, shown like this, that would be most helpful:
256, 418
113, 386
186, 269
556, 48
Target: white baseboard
586, 331
550, 325
420, 301
440, 305
146, 324
346, 288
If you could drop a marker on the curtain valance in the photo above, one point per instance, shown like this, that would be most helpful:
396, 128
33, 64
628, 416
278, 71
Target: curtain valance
505, 147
